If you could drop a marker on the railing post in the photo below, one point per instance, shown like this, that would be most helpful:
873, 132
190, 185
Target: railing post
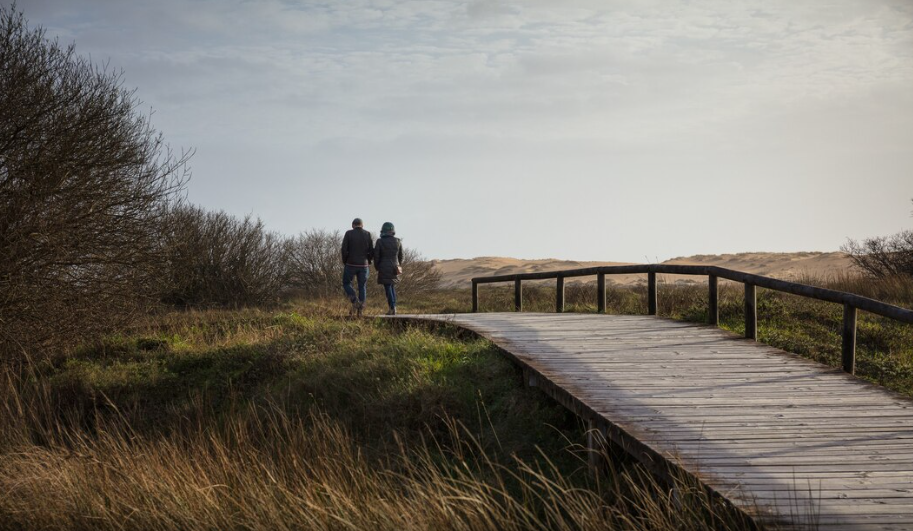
651, 293
751, 311
849, 339
600, 292
713, 309
559, 295
518, 296
475, 296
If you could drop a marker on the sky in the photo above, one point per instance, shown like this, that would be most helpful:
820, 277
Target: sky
608, 130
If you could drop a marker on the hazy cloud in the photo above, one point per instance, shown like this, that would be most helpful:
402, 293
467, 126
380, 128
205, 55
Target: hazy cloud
295, 103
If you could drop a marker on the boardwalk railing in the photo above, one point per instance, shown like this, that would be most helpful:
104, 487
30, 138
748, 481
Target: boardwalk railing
851, 303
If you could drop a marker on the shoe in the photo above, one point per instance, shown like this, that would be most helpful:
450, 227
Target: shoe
359, 308
353, 308
391, 311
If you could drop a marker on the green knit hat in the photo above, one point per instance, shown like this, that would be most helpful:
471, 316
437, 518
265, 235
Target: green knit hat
387, 228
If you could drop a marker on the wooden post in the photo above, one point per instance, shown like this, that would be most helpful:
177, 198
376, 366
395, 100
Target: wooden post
849, 339
651, 293
518, 296
559, 295
475, 297
713, 309
600, 292
751, 311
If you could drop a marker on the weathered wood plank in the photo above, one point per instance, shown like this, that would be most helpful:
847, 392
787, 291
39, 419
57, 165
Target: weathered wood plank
769, 430
600, 293
651, 293
849, 339
713, 307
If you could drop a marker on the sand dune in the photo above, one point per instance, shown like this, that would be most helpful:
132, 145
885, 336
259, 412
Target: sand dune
788, 266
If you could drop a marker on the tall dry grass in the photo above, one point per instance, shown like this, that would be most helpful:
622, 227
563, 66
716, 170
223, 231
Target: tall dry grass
896, 289
265, 467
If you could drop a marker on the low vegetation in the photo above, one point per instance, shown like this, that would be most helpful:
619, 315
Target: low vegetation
303, 419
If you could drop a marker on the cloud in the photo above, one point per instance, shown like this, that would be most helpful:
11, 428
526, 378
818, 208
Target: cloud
542, 80
390, 67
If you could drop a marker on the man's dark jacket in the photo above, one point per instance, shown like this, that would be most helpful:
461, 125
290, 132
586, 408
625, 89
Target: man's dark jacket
357, 248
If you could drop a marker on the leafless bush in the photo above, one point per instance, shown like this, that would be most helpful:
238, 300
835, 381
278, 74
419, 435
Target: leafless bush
82, 177
215, 259
419, 275
315, 267
885, 256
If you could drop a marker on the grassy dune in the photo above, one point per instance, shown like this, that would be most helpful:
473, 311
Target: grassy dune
303, 419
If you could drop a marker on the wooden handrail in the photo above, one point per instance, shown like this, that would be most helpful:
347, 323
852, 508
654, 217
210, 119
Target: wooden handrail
851, 303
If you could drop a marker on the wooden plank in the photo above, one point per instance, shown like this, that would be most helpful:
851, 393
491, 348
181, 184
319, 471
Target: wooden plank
559, 295
849, 339
651, 294
475, 297
518, 295
713, 307
600, 293
755, 424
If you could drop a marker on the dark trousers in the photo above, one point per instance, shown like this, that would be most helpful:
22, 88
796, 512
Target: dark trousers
361, 274
390, 291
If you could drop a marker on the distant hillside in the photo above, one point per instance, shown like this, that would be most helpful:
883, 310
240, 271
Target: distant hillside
458, 272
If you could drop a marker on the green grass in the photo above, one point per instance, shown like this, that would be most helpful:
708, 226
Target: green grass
304, 417
383, 385
301, 416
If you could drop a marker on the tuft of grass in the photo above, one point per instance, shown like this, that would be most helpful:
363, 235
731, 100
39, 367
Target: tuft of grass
266, 469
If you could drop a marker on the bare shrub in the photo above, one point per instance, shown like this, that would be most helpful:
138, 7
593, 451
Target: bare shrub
419, 275
883, 257
314, 262
215, 259
82, 177
315, 267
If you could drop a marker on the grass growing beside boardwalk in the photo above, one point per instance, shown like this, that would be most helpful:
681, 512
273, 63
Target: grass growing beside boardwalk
803, 326
303, 419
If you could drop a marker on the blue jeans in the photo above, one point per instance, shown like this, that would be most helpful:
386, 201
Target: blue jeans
390, 291
360, 273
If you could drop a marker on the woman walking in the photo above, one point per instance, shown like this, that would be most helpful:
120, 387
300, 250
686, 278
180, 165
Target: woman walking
388, 255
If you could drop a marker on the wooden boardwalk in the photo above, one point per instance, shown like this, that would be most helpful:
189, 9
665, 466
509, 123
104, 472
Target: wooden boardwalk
799, 441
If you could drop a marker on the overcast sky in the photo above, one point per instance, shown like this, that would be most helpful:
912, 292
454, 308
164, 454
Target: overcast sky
589, 130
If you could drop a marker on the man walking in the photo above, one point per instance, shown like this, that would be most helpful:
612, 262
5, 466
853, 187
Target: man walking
357, 254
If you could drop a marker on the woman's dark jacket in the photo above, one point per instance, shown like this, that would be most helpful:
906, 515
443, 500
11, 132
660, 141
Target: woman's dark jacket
388, 255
